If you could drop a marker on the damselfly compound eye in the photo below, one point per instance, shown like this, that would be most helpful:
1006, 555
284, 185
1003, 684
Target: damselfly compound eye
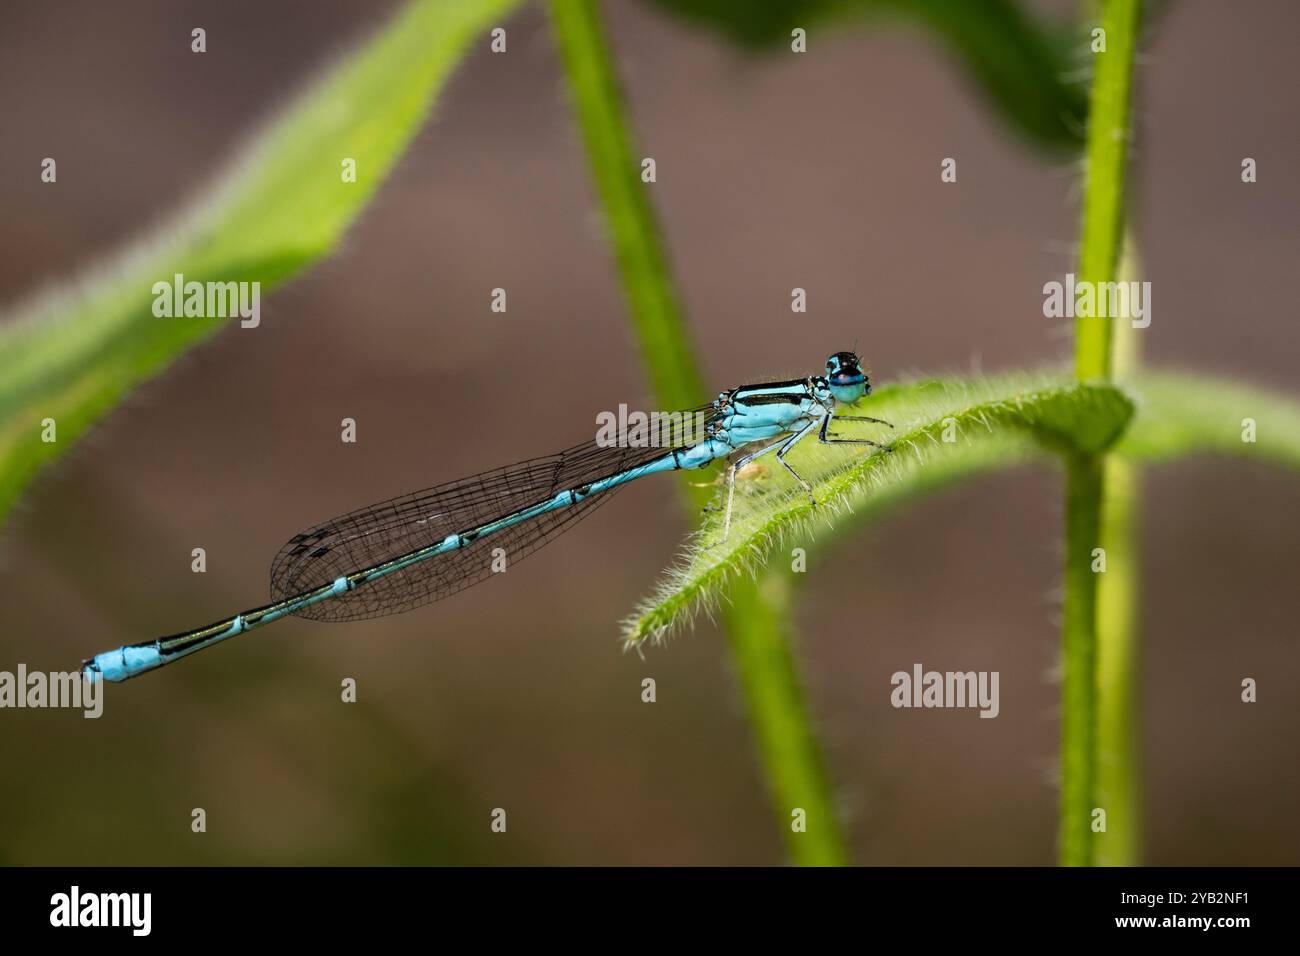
845, 377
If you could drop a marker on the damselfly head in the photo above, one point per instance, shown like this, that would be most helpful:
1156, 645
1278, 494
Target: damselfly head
846, 378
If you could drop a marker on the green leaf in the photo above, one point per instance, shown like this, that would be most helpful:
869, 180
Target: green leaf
74, 352
1175, 414
1182, 413
944, 429
1022, 67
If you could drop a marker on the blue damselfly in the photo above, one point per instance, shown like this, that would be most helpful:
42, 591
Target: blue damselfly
419, 548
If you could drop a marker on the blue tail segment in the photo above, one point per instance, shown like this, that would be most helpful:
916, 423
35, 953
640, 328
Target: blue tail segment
123, 663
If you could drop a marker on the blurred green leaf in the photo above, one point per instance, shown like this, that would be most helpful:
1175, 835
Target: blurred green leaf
1182, 413
1022, 66
75, 351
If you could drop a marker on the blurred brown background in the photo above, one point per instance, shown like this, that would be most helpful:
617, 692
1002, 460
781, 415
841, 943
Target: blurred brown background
818, 171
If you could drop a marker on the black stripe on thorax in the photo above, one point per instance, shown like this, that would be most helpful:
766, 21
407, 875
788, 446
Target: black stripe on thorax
772, 393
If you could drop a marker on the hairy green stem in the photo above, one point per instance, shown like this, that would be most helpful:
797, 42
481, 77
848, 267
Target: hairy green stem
756, 627
1079, 660
1118, 760
1109, 117
629, 216
1118, 766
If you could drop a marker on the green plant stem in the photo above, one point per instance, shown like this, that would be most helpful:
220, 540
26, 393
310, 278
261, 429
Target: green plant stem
1083, 477
656, 318
1118, 765
1118, 751
756, 628
1109, 117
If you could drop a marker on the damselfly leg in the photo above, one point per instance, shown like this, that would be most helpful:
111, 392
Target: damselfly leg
783, 448
731, 480
826, 438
